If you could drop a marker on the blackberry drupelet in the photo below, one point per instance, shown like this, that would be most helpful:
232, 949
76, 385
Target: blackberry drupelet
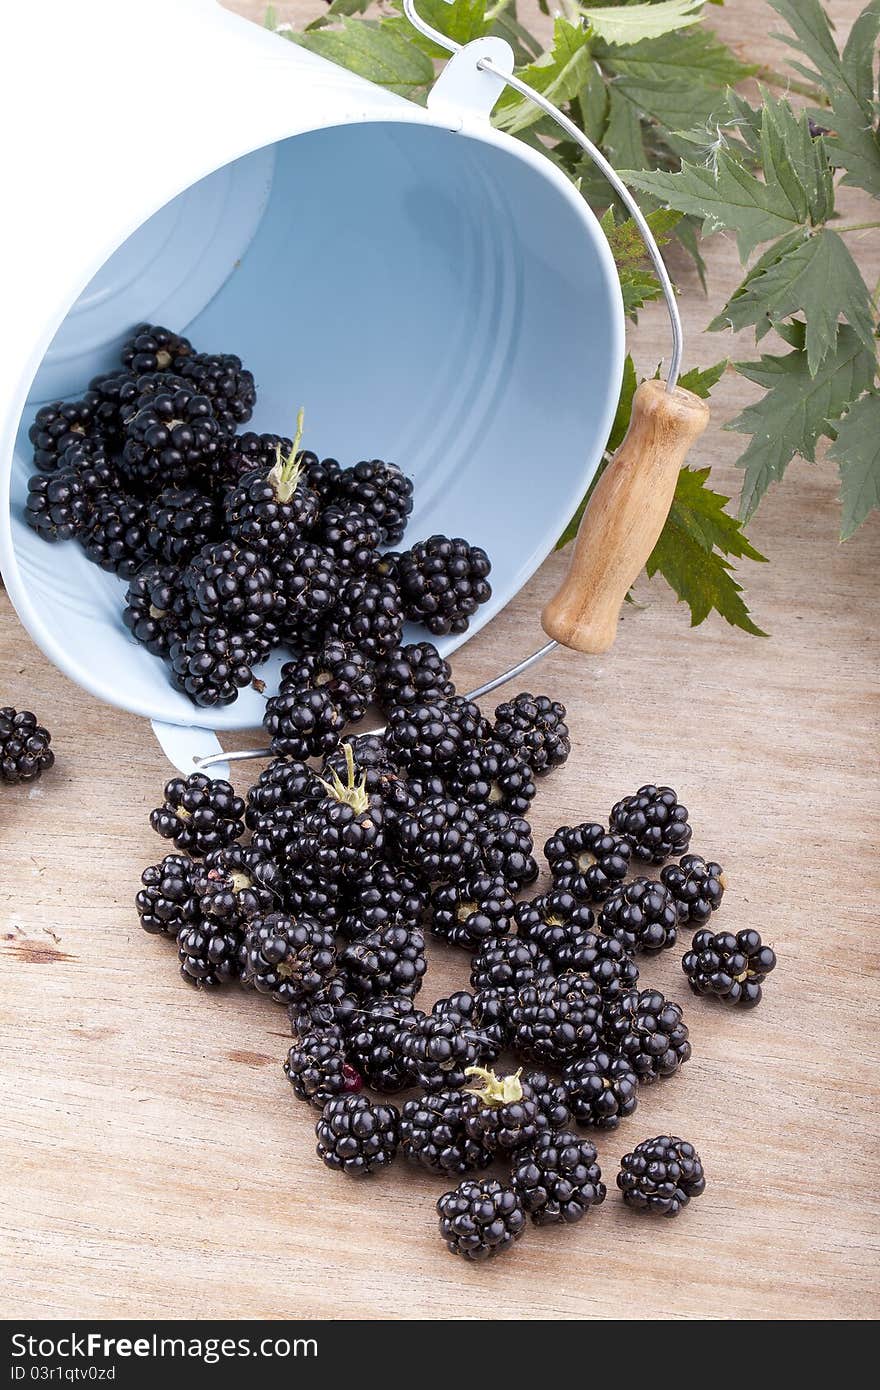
231, 586
180, 521
696, 886
344, 833
729, 967
368, 614
557, 1018
506, 848
649, 1031
602, 1089
270, 509
24, 746
227, 384
653, 822
303, 724
114, 534
167, 902
153, 606
488, 776
534, 727
586, 860
357, 1136
413, 675
443, 582
558, 1179
506, 962
212, 664
661, 1175
423, 738
236, 884
467, 911
382, 490
374, 1041
152, 348
339, 669
352, 536
480, 1218
642, 915
440, 1046
433, 1136
172, 437
199, 814
317, 1070
209, 953
389, 960
500, 1112
59, 425
439, 839
383, 895
308, 584
330, 1009
288, 960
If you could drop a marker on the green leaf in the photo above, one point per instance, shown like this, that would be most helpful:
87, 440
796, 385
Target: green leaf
559, 75
636, 22
461, 21
678, 80
373, 51
815, 276
638, 284
690, 553
701, 380
857, 453
796, 411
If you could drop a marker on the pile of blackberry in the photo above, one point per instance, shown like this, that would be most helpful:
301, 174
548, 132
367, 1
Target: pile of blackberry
233, 545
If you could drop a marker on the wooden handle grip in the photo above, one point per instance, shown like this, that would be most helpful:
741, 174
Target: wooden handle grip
625, 516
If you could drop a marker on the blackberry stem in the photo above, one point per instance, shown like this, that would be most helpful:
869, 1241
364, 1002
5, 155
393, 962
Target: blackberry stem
287, 472
493, 1089
353, 791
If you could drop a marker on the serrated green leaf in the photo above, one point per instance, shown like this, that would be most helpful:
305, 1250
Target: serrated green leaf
857, 454
796, 162
634, 23
559, 75
622, 142
678, 80
797, 409
701, 380
372, 51
461, 21
638, 284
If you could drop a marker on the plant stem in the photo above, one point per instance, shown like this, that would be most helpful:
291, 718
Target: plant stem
855, 227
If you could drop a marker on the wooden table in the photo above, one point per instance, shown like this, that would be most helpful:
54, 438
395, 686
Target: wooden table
156, 1163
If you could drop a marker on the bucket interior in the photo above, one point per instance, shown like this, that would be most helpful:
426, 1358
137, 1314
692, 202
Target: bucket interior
431, 299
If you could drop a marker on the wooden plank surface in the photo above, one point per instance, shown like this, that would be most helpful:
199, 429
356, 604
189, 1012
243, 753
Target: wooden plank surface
155, 1162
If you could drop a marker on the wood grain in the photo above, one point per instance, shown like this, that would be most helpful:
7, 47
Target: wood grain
155, 1163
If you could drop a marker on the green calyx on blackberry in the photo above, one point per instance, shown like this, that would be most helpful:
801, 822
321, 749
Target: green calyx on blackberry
371, 759
506, 962
344, 832
443, 582
696, 886
500, 1112
433, 1135
383, 491
642, 915
287, 959
389, 960
368, 614
661, 1175
236, 884
152, 606
373, 1041
439, 839
303, 724
330, 1009
357, 1136
172, 437
586, 860
480, 1219
649, 1031
381, 896
467, 911
339, 669
308, 585
199, 814
167, 901
729, 967
114, 534
654, 822
440, 1046
558, 1179
352, 535
317, 1070
270, 509
152, 348
422, 737
413, 675
231, 586
602, 1089
488, 775
180, 521
534, 727
227, 384
557, 1018
57, 426
506, 848
211, 664
209, 953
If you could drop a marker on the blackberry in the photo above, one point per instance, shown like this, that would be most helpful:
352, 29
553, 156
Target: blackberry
558, 1179
661, 1175
557, 1018
443, 582
320, 474
534, 727
209, 953
554, 921
24, 746
506, 962
308, 584
468, 718
245, 453
653, 822
180, 521
57, 426
57, 505
442, 1045
172, 437
602, 1089
227, 384
369, 615
270, 509
696, 886
374, 1042
231, 586
352, 536
383, 895
480, 1218
556, 924
729, 967
475, 1012
356, 1136
307, 893
152, 348
331, 1009
153, 602
344, 832
422, 737
115, 395
500, 1112
167, 901
114, 535
236, 884
487, 775
339, 669
317, 1070
439, 839
642, 915
551, 1098
506, 848
490, 1011
383, 491
199, 814
587, 860
413, 675
649, 1031
466, 912
283, 785
287, 959
371, 759
389, 960
304, 724
433, 1135
211, 664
